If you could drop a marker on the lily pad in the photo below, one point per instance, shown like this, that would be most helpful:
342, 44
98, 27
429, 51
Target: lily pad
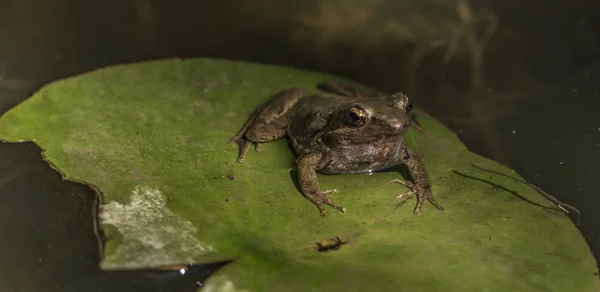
152, 138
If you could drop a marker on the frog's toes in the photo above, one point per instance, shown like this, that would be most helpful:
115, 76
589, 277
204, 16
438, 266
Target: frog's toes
404, 183
423, 195
329, 202
405, 196
326, 192
233, 139
257, 147
321, 198
435, 203
244, 146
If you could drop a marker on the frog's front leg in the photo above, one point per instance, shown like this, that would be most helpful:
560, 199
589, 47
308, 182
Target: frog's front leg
422, 184
268, 123
309, 183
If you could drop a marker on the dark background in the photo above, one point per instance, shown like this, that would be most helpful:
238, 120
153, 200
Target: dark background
539, 112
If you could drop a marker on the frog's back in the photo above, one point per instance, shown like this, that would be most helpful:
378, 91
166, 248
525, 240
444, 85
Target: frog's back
323, 102
311, 116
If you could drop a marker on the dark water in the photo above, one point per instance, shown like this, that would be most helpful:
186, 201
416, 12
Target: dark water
540, 116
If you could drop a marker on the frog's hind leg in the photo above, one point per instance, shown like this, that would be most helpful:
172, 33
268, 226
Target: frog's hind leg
240, 139
260, 132
417, 125
255, 136
268, 123
245, 127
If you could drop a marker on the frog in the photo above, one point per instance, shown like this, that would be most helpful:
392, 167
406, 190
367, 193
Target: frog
346, 130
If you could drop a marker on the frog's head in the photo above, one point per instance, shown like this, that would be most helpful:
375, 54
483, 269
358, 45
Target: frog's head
373, 119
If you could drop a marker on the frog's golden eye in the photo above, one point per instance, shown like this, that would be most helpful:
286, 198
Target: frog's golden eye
357, 116
402, 101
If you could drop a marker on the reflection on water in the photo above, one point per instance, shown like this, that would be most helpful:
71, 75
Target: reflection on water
182, 278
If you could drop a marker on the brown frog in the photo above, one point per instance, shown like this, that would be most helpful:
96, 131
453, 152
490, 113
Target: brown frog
352, 131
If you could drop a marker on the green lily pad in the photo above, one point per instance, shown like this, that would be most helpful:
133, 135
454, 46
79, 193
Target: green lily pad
152, 137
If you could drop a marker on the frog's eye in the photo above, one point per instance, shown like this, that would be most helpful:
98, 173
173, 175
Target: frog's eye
408, 104
402, 101
357, 116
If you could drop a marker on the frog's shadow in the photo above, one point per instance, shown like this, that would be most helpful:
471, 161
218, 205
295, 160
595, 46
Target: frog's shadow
401, 169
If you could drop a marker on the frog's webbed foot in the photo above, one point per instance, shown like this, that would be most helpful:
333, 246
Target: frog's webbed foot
417, 125
244, 146
319, 198
235, 138
268, 122
421, 193
422, 130
257, 147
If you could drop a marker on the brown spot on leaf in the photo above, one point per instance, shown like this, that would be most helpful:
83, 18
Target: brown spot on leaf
330, 244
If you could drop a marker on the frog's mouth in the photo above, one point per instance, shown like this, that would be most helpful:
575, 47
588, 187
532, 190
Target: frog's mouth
343, 139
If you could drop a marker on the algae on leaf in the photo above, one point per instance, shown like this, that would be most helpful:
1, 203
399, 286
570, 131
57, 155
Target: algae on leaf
152, 136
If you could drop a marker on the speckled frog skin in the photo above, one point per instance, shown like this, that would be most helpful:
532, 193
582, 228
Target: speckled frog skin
351, 131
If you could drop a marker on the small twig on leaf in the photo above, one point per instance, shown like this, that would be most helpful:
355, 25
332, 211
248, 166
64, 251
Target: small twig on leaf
560, 205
